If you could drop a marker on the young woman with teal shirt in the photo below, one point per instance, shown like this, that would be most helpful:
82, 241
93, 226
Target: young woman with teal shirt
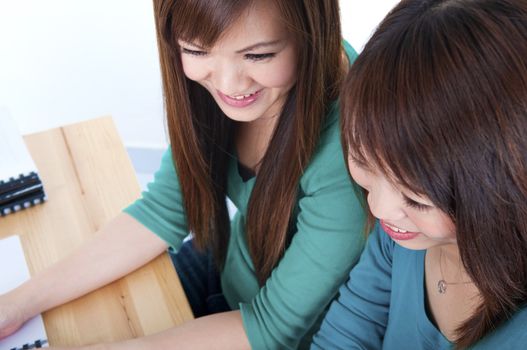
250, 91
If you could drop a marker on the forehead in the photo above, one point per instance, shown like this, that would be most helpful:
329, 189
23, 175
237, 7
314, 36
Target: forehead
379, 168
260, 21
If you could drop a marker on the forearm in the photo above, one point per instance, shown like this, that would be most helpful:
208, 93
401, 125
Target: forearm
219, 331
120, 247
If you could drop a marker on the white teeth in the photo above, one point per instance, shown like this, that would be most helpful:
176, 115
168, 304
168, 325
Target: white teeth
240, 97
396, 229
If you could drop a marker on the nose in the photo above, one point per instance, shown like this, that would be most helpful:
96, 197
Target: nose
230, 78
385, 202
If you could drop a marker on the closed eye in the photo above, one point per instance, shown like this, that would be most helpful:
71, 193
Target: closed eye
415, 205
259, 57
193, 52
359, 163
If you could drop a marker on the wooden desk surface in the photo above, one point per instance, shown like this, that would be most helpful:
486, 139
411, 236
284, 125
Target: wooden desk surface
88, 179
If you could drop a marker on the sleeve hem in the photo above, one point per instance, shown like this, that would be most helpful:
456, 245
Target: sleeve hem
137, 215
251, 329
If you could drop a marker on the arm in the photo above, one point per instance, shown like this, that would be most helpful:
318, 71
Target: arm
307, 278
358, 318
121, 246
121, 240
327, 241
218, 331
302, 285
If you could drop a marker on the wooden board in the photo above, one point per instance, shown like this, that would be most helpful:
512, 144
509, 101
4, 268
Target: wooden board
89, 178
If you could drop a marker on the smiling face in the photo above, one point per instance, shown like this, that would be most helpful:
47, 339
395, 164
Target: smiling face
409, 219
250, 70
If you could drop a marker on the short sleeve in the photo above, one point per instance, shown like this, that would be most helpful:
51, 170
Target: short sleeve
160, 207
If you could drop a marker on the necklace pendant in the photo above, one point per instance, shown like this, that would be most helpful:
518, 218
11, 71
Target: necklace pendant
441, 286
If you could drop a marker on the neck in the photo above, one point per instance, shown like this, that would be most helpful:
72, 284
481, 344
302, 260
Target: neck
252, 141
452, 266
451, 253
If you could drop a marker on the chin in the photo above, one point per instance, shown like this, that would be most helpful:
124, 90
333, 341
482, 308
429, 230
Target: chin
416, 244
243, 115
422, 244
240, 117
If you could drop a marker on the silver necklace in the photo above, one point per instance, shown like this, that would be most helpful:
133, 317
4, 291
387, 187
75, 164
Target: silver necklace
442, 284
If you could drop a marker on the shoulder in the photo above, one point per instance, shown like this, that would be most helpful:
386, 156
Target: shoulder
166, 159
401, 259
167, 166
328, 159
510, 335
381, 242
165, 178
349, 51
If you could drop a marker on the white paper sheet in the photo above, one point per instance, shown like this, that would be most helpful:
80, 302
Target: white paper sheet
14, 154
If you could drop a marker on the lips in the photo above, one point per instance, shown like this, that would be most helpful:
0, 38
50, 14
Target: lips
397, 233
240, 101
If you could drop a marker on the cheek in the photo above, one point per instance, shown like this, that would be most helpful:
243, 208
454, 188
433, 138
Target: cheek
193, 70
360, 176
280, 73
435, 225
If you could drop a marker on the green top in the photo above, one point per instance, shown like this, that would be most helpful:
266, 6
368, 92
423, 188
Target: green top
327, 240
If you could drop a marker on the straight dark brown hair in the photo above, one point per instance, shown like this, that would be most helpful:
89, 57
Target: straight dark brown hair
438, 100
202, 136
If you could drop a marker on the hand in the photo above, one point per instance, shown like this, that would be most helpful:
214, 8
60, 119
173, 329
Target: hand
11, 316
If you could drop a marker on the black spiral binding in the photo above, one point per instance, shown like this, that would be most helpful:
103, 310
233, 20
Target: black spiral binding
16, 183
21, 192
35, 345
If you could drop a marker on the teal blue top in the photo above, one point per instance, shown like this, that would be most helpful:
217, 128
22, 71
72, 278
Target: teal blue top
326, 242
382, 306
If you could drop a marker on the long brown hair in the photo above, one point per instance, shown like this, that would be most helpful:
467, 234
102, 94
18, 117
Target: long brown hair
201, 135
438, 99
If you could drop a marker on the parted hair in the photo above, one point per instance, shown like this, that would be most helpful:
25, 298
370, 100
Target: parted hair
438, 100
201, 135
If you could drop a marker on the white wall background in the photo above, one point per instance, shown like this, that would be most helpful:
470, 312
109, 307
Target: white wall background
63, 61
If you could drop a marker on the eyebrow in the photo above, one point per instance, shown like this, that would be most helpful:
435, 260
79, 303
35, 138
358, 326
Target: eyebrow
259, 45
192, 44
248, 48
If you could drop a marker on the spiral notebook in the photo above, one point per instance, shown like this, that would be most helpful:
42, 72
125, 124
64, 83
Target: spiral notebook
13, 272
20, 184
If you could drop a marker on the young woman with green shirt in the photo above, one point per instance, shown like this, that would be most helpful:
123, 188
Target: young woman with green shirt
250, 92
435, 116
